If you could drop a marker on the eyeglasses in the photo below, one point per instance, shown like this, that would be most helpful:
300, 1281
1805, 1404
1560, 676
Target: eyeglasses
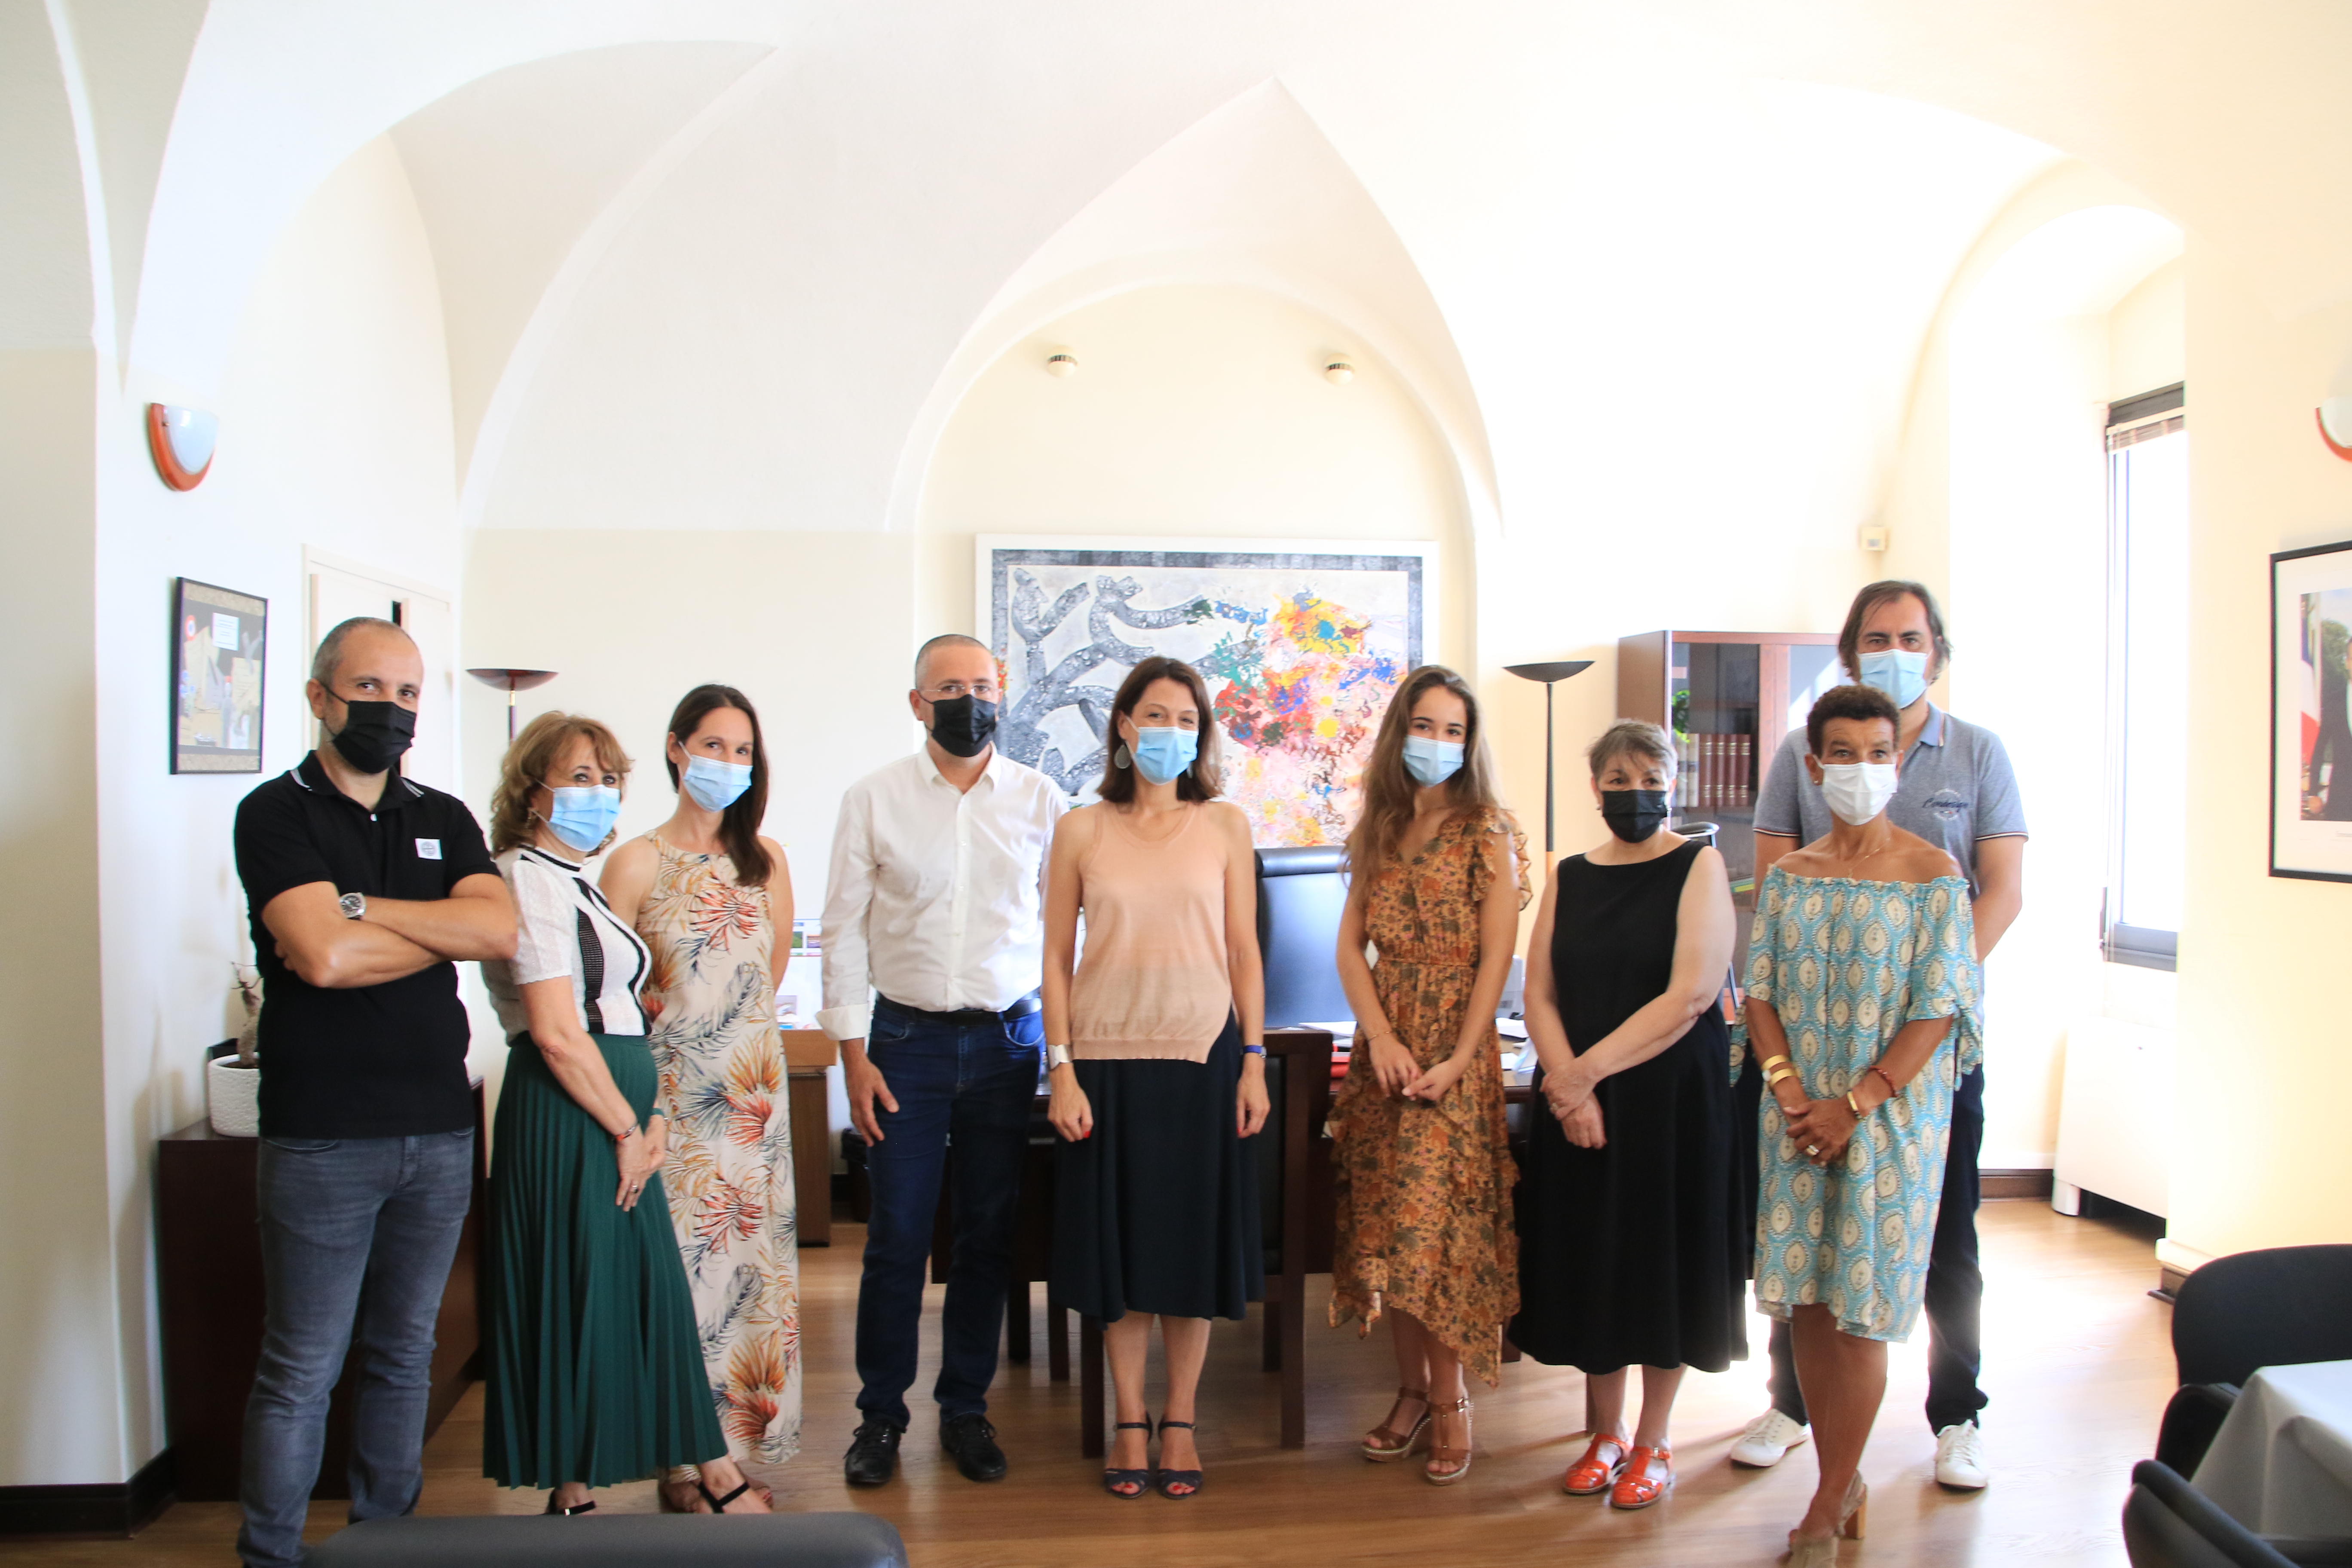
949, 690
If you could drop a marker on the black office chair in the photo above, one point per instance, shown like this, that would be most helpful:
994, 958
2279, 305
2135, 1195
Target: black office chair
1301, 893
2167, 1523
2277, 1307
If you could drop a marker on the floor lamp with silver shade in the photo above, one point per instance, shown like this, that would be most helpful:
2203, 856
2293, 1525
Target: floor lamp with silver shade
1551, 674
511, 681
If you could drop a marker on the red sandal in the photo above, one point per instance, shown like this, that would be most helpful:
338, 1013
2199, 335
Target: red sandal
1592, 1475
1639, 1489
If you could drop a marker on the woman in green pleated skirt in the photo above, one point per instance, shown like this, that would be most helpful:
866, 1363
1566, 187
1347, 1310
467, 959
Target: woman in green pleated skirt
596, 1371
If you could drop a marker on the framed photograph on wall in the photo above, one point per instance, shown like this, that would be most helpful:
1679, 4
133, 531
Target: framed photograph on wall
2311, 714
220, 644
1302, 644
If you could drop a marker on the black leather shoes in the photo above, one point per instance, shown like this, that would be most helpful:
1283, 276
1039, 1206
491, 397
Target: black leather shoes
972, 1441
874, 1454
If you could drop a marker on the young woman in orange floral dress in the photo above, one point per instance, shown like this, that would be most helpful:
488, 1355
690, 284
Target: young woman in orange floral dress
1423, 1171
714, 902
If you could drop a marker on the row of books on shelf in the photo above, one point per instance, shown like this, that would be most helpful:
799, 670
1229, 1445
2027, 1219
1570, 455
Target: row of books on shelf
1716, 772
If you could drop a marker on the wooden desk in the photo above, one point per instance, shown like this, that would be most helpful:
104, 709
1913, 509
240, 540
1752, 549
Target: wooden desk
807, 1054
208, 1267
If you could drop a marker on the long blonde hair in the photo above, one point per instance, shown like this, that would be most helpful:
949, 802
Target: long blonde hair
1389, 790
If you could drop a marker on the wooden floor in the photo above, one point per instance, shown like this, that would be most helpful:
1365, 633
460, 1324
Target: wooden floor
2078, 1366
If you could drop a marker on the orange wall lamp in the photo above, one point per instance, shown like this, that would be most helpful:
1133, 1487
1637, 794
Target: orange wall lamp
2334, 418
181, 442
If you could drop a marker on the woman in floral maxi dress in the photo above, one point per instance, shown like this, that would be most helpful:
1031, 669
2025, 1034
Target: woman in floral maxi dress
1423, 1170
719, 938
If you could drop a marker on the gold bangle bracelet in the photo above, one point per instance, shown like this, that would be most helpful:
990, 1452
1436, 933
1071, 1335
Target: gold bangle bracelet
1772, 1079
1851, 1105
1768, 1063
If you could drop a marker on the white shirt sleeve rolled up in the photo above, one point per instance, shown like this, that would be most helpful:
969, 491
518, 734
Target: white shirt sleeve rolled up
935, 896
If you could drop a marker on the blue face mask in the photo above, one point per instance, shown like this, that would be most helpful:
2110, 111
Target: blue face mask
715, 786
1431, 761
1162, 756
1898, 672
581, 817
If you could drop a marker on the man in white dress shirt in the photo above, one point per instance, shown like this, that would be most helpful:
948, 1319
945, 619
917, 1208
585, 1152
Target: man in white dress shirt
934, 946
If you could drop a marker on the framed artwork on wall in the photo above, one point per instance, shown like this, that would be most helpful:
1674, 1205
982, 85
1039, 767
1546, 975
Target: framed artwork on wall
1302, 645
220, 643
2311, 714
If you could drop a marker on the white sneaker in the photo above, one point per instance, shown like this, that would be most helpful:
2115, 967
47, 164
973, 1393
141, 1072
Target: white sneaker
1960, 1458
1767, 1440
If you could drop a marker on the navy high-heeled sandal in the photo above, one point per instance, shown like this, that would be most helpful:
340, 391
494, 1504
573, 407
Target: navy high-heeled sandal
1178, 1478
1140, 1480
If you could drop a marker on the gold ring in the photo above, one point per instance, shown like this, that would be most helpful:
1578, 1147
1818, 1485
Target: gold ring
1810, 1150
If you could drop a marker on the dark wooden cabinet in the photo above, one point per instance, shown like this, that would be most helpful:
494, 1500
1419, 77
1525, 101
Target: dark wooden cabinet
1729, 698
208, 1259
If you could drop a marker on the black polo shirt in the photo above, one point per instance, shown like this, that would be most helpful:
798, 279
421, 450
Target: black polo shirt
374, 1061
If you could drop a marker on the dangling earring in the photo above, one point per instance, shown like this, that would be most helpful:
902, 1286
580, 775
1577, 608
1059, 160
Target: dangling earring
1122, 757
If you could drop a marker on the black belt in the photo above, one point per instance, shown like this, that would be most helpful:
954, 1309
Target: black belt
967, 1017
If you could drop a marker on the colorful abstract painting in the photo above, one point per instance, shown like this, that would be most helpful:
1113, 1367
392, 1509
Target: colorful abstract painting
2311, 712
1302, 648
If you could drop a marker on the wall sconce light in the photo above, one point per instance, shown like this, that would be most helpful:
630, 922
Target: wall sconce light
181, 440
2334, 418
1339, 370
1062, 362
1874, 536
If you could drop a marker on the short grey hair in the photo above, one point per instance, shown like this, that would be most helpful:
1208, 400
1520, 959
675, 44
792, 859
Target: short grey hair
945, 639
1636, 737
330, 656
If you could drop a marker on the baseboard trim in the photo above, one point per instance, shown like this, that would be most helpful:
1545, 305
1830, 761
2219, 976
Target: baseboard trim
121, 1509
1993, 1184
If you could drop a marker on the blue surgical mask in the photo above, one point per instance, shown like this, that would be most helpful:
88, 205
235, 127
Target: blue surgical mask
1896, 671
715, 786
581, 817
1431, 761
1162, 756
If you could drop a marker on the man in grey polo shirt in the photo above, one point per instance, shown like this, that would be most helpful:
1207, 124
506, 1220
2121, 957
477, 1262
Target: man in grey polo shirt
1957, 791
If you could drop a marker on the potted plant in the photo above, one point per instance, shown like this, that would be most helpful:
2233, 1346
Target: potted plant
233, 1068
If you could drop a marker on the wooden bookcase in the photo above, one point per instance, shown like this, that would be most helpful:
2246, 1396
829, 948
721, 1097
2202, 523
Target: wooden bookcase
1729, 699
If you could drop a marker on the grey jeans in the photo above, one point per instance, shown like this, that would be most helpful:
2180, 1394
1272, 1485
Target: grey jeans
356, 1231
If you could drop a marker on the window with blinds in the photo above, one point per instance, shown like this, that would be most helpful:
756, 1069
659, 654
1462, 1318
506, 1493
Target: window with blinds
2147, 675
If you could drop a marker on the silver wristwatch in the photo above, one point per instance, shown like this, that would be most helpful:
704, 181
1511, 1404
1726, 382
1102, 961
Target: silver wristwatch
1057, 1057
354, 905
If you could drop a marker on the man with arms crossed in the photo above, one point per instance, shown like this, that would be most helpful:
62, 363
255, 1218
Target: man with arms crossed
363, 888
1955, 790
934, 945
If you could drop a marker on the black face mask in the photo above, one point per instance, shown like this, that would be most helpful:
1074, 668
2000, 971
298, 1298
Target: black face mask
374, 735
1632, 815
962, 725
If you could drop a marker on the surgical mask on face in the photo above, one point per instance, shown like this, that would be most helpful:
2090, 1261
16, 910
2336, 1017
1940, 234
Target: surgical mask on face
715, 786
1162, 756
1898, 672
962, 725
374, 735
582, 815
1431, 761
1857, 792
1634, 814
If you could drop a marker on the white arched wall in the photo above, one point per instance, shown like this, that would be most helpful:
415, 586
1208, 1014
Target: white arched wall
1197, 411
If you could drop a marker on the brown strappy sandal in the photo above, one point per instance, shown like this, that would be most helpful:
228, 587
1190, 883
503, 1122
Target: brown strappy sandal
1385, 1444
1439, 1454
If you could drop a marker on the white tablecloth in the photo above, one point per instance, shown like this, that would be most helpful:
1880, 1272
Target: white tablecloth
2281, 1463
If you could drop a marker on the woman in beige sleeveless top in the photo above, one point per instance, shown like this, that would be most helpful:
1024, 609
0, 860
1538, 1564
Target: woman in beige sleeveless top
1156, 1055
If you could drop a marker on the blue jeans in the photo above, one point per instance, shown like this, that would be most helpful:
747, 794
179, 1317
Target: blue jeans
353, 1230
1954, 1297
971, 1086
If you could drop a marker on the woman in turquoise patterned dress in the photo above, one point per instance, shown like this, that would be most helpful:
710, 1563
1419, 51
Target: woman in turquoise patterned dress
1861, 1011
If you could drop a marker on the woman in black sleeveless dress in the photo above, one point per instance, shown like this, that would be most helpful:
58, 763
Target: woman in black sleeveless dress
1633, 1247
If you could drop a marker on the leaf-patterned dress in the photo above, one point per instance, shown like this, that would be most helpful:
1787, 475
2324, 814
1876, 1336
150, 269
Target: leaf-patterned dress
1423, 1192
729, 1166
